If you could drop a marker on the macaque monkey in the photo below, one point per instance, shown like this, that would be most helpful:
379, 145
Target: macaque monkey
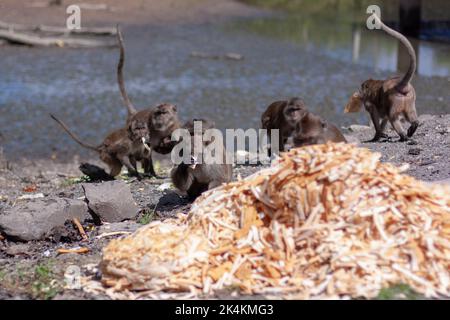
314, 130
387, 100
162, 119
194, 177
283, 115
122, 147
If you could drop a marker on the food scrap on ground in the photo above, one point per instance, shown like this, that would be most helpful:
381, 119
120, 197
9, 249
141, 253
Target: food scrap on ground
324, 221
80, 228
73, 250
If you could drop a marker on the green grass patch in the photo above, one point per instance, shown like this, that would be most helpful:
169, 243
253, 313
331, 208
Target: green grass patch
44, 285
147, 217
398, 291
72, 181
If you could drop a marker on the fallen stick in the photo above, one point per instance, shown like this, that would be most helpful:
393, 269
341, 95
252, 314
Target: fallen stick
108, 234
80, 229
73, 250
32, 40
99, 31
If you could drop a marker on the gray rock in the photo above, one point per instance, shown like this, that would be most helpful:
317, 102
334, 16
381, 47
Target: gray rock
352, 139
35, 220
129, 226
358, 128
414, 151
18, 250
111, 201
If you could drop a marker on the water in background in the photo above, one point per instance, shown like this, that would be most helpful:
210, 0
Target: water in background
322, 61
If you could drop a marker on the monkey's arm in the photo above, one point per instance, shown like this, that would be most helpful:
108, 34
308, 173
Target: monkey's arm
125, 160
165, 146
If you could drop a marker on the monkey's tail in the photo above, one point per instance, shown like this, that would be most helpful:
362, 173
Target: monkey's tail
73, 135
130, 108
412, 54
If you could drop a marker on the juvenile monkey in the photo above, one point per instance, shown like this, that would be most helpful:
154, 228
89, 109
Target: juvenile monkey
314, 130
122, 147
283, 115
162, 119
387, 100
195, 178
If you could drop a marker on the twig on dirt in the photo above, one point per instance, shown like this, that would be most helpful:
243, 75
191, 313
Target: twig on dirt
80, 229
108, 234
32, 40
73, 250
97, 31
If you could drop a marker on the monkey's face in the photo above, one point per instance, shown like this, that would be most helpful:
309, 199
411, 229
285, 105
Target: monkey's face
294, 112
308, 130
164, 117
354, 103
138, 130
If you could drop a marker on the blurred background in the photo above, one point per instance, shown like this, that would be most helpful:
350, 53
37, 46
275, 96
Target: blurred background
222, 59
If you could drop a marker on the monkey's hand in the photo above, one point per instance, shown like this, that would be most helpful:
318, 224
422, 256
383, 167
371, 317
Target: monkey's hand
194, 162
146, 146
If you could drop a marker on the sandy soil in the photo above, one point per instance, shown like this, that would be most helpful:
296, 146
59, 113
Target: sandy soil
110, 12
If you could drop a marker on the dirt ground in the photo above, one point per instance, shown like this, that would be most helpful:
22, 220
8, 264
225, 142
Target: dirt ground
35, 270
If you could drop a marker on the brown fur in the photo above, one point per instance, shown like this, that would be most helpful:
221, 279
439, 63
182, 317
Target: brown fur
314, 130
283, 115
196, 179
162, 119
387, 100
122, 147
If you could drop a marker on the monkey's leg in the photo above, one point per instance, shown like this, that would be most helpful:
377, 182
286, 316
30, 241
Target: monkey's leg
376, 122
383, 127
395, 122
115, 166
125, 160
149, 170
133, 163
411, 117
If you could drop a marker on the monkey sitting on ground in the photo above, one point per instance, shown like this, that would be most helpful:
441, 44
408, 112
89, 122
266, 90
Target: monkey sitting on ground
162, 119
283, 115
122, 147
389, 99
194, 178
313, 129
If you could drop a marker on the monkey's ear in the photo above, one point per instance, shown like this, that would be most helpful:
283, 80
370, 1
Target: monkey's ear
174, 107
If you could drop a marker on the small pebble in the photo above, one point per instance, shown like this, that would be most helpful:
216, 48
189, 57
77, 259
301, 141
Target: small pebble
414, 151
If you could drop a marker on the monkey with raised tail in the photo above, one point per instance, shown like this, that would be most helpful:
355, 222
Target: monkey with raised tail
387, 100
122, 147
161, 120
